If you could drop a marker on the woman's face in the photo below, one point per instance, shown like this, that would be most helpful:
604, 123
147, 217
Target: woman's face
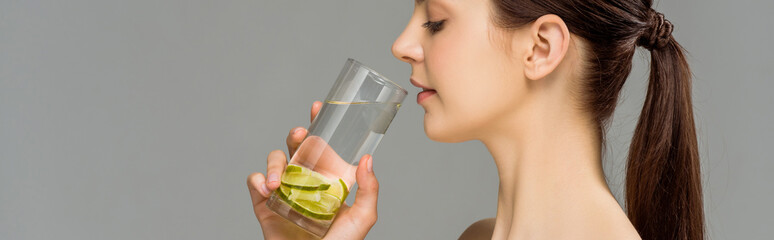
459, 55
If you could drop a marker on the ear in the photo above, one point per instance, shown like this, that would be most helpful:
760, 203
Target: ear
550, 39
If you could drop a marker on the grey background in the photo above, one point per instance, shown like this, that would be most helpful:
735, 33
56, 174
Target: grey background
142, 119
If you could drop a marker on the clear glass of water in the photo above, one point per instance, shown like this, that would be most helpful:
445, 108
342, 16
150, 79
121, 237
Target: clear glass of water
354, 117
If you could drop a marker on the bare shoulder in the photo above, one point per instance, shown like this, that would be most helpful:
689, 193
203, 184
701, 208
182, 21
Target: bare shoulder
479, 230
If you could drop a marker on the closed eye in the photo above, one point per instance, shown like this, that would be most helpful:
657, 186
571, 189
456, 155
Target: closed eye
434, 27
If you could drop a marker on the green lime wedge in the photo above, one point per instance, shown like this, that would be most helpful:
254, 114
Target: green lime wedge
306, 195
324, 209
303, 202
283, 192
294, 168
339, 190
315, 195
311, 194
304, 181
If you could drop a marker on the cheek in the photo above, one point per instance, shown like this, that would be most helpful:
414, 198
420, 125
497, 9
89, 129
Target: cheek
468, 73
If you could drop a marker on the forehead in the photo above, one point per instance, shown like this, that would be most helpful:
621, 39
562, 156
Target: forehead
447, 4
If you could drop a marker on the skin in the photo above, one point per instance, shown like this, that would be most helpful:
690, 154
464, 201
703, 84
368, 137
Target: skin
516, 92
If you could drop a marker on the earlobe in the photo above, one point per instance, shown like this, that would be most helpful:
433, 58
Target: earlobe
550, 40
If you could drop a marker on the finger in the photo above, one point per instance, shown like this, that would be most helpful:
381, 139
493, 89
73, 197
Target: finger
257, 185
294, 139
316, 106
275, 165
367, 191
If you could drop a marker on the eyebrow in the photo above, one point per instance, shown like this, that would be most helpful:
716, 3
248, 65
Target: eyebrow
419, 1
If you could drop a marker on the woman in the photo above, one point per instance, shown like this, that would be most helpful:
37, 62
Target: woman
536, 82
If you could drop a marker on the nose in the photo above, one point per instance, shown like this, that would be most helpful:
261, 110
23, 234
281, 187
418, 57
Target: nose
407, 47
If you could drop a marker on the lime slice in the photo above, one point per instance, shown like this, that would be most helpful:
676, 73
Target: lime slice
314, 195
306, 195
339, 190
312, 204
324, 209
294, 168
304, 181
311, 194
283, 192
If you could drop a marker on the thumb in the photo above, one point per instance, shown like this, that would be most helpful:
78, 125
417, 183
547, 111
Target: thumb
367, 191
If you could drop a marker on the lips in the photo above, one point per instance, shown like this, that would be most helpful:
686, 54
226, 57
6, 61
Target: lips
416, 84
421, 96
426, 93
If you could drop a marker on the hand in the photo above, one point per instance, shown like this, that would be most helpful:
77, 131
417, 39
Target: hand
350, 222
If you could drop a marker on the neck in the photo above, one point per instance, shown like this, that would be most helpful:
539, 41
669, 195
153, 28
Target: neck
551, 178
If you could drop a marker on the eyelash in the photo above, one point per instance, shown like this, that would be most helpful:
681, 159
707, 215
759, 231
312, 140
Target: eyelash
434, 27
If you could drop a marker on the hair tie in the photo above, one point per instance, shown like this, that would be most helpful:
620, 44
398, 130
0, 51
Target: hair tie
658, 32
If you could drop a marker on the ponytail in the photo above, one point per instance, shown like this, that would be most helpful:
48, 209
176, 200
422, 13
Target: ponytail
663, 180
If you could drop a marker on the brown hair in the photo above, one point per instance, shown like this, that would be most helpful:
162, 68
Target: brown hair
663, 182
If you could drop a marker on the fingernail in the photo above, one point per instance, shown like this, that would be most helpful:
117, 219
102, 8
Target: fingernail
273, 178
296, 130
370, 164
299, 132
265, 189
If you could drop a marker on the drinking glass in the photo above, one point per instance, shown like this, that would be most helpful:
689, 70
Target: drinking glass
354, 117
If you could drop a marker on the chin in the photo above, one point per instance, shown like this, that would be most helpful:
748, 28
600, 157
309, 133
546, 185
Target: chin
443, 131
